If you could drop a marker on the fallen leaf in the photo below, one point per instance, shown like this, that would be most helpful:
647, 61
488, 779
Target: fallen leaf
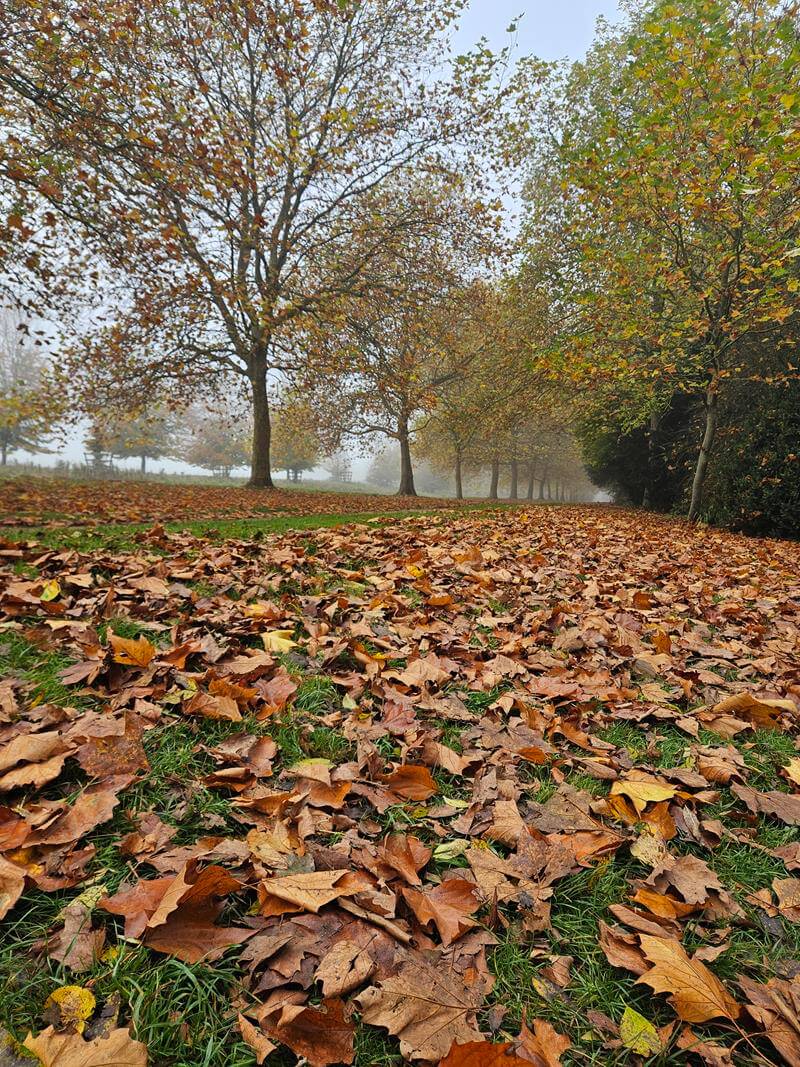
638, 1034
697, 994
130, 652
426, 1008
118, 1049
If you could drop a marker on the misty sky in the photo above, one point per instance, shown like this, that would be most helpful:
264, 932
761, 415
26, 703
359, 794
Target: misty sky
550, 30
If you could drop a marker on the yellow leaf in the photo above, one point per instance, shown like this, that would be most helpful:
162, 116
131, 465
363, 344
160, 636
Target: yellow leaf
131, 653
643, 793
639, 1034
278, 640
792, 770
75, 1004
51, 590
415, 571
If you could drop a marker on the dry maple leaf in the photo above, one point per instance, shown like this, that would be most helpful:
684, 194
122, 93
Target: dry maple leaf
448, 906
412, 782
117, 1049
405, 854
784, 806
542, 1046
482, 1054
307, 892
427, 1008
322, 1035
130, 652
697, 994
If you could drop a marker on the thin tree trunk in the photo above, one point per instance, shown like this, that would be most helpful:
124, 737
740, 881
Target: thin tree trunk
144, 463
406, 469
647, 498
531, 481
5, 452
260, 477
707, 444
513, 492
459, 483
542, 483
495, 478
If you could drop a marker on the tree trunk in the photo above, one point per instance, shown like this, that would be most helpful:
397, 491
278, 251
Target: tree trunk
260, 477
406, 469
531, 481
495, 478
4, 449
513, 492
459, 483
647, 498
143, 459
710, 432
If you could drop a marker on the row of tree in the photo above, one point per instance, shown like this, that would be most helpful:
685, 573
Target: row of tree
663, 227
282, 199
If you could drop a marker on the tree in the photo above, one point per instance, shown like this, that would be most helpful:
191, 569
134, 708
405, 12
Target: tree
29, 405
672, 240
295, 444
227, 164
213, 439
148, 436
399, 349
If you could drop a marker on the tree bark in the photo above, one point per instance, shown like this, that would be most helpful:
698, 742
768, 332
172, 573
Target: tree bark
459, 482
143, 459
531, 481
513, 492
260, 477
4, 448
495, 478
647, 498
406, 468
710, 432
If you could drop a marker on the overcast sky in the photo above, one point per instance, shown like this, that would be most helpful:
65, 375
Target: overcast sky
549, 30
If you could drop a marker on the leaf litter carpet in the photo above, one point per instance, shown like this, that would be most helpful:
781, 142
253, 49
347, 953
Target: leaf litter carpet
510, 788
58, 502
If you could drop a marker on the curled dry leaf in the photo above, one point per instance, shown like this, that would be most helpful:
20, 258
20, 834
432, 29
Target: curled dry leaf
323, 1035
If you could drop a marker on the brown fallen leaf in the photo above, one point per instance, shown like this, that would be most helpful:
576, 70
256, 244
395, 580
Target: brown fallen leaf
542, 1046
412, 782
323, 1035
344, 968
482, 1054
405, 854
427, 1008
449, 906
118, 1049
784, 806
76, 945
256, 1039
304, 892
775, 1005
697, 994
